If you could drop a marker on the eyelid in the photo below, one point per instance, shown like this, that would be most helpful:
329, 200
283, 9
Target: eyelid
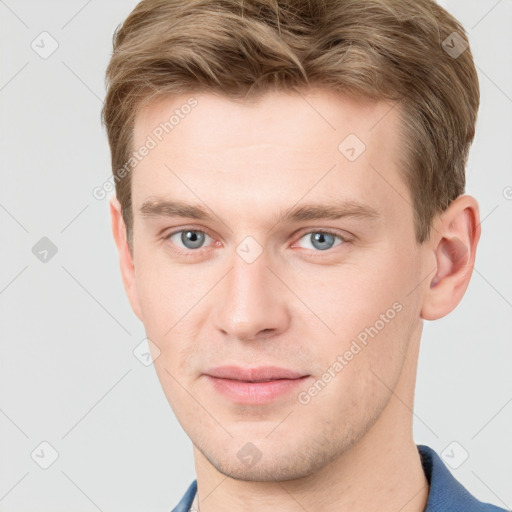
329, 231
301, 234
188, 228
325, 231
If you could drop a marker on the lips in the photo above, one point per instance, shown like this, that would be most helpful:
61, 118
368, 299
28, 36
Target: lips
255, 386
259, 374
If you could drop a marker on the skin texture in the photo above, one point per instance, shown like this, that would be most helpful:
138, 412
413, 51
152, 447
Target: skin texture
296, 306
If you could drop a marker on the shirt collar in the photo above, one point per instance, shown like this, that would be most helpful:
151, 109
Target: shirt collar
446, 493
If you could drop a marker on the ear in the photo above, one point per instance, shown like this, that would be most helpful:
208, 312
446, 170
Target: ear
455, 236
125, 256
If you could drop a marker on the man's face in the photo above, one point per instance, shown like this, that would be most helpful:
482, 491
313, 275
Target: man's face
247, 288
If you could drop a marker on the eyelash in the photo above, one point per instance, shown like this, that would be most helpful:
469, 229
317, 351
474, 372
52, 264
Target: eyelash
193, 252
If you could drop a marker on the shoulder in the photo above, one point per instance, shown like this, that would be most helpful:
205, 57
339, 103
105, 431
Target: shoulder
446, 493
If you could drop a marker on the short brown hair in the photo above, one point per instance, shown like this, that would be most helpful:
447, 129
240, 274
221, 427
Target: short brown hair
396, 50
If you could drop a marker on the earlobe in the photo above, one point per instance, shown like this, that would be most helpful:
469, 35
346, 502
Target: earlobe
125, 256
455, 238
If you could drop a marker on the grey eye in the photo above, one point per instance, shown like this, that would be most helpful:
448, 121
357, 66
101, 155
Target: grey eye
190, 238
321, 240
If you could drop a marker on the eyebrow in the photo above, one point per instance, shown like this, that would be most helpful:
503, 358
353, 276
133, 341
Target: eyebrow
309, 211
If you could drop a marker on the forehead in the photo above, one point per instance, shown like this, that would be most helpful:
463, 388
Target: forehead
268, 152
276, 117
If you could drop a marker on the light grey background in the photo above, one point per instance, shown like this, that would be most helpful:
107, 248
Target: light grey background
68, 374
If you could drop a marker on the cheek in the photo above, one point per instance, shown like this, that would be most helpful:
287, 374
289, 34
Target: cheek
167, 306
358, 372
363, 315
171, 300
343, 302
166, 292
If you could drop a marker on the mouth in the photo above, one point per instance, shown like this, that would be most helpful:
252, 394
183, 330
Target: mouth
255, 385
255, 374
262, 380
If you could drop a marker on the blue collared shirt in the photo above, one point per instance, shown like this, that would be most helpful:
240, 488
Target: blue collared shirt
446, 494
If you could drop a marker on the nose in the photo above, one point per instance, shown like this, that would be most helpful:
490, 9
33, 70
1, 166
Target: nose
251, 303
